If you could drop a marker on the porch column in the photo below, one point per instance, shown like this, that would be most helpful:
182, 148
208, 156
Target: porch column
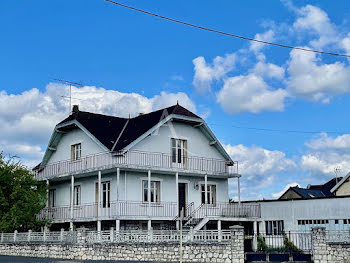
47, 192
255, 237
177, 191
149, 193
239, 190
219, 230
206, 189
117, 225
117, 199
99, 202
149, 225
71, 202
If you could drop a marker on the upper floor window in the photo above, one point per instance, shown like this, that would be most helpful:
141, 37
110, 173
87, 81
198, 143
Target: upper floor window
76, 151
211, 193
274, 227
106, 194
77, 195
155, 191
52, 198
178, 151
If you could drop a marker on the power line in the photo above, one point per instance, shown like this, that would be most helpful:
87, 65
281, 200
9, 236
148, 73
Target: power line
225, 33
277, 130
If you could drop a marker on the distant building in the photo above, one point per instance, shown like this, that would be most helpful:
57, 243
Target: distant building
342, 187
313, 191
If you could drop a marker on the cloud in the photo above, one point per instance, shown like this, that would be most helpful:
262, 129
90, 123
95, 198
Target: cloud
313, 19
312, 80
28, 118
269, 70
268, 36
206, 73
277, 195
250, 93
325, 154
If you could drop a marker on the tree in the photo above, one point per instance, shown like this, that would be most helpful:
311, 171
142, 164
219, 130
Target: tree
21, 197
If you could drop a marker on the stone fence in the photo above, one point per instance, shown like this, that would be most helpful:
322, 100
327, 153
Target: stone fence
326, 250
230, 251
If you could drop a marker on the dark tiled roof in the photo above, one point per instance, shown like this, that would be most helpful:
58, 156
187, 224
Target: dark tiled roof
109, 129
314, 191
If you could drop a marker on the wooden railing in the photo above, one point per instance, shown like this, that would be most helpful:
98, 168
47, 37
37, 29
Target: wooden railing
135, 159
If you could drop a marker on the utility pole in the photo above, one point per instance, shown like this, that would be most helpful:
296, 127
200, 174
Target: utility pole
70, 83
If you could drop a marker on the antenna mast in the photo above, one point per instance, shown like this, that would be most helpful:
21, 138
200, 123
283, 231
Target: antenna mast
70, 83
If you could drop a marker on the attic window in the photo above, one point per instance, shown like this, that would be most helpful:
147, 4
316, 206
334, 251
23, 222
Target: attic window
75, 151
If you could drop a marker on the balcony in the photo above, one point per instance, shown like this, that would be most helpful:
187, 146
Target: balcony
141, 210
136, 160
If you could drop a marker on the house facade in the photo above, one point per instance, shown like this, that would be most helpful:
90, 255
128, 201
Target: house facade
139, 173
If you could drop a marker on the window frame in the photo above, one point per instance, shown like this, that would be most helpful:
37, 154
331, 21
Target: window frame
155, 188
76, 152
106, 194
77, 195
211, 195
52, 198
178, 151
274, 227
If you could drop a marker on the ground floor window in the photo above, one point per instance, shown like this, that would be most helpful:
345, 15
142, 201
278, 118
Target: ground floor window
52, 198
106, 194
274, 227
211, 193
154, 191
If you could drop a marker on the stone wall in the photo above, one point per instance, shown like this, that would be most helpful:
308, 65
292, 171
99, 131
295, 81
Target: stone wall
324, 252
230, 251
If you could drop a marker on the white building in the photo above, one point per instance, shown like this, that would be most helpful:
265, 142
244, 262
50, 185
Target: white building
138, 173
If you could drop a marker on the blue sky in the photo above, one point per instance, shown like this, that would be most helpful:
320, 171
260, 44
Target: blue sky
130, 62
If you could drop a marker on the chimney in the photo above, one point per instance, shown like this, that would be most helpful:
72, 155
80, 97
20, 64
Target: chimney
75, 108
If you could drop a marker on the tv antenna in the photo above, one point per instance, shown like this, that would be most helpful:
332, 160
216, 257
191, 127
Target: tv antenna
70, 83
337, 170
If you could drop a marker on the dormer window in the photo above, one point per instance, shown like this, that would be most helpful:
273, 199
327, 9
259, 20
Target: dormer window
76, 152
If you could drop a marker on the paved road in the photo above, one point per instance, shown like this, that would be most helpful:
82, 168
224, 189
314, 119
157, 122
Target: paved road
6, 259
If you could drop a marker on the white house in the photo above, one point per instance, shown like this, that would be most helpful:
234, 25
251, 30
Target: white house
138, 173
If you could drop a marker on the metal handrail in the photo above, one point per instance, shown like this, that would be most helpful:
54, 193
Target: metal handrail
135, 159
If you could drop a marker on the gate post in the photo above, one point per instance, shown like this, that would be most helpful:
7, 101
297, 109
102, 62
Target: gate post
237, 244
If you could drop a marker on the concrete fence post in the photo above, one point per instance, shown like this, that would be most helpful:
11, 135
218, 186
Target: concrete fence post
237, 244
44, 234
319, 245
29, 235
150, 234
191, 233
81, 236
15, 236
62, 235
111, 234
2, 237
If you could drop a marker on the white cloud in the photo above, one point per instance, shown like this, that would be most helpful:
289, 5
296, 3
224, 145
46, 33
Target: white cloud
255, 160
313, 19
312, 80
250, 93
268, 70
268, 36
277, 195
206, 73
28, 118
326, 153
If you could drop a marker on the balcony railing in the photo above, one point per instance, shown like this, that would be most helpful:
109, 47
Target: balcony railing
135, 159
130, 209
113, 210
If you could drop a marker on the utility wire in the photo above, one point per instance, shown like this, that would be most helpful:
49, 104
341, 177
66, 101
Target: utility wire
225, 33
277, 130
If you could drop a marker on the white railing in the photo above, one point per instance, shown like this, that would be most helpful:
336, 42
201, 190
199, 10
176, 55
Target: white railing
220, 209
134, 159
113, 210
112, 236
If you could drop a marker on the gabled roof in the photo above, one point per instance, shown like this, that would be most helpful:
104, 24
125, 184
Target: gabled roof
116, 134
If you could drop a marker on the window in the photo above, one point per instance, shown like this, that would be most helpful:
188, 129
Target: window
274, 227
52, 197
76, 151
106, 194
77, 195
211, 193
155, 191
178, 151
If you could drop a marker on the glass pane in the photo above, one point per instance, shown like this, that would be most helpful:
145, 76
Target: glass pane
173, 154
145, 184
152, 195
145, 195
173, 142
179, 155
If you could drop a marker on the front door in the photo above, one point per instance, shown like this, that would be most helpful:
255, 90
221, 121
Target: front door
182, 197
